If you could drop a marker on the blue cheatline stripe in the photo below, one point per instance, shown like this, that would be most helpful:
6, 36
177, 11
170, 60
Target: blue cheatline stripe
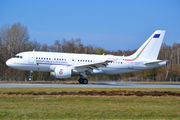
43, 63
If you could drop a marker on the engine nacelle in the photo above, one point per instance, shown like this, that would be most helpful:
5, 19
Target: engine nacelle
61, 72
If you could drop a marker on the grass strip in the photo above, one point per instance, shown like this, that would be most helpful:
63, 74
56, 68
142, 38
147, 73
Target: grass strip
88, 107
50, 105
101, 93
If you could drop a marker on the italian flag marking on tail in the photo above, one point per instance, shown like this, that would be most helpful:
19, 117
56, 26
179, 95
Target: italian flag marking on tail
139, 52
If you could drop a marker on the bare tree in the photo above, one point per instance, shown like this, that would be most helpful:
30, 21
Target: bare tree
13, 40
45, 47
57, 46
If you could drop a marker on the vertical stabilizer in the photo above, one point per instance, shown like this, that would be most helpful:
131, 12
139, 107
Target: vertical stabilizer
150, 49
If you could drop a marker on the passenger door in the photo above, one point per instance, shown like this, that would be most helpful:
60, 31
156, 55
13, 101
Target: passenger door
130, 65
31, 58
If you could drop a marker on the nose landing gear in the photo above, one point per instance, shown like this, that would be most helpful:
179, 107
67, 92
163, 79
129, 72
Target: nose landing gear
30, 77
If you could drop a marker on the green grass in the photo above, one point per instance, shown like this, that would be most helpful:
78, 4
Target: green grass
86, 107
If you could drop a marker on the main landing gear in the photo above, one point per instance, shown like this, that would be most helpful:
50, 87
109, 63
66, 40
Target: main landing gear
30, 77
82, 80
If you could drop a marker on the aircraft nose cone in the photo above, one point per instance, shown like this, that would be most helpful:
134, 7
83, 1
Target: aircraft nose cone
9, 63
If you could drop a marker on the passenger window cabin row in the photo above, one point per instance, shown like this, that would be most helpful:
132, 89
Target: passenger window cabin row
117, 62
84, 60
61, 59
41, 58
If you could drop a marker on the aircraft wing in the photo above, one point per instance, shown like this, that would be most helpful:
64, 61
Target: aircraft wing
88, 68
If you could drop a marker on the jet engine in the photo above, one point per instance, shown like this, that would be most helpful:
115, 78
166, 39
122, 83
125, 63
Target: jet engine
61, 72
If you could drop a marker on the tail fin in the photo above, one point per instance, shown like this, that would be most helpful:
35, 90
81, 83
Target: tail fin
150, 49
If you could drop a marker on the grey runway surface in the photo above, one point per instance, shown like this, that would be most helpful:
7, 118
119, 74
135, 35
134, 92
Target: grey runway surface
90, 85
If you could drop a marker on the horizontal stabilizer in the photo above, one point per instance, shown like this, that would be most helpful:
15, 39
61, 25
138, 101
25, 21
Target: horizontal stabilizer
155, 62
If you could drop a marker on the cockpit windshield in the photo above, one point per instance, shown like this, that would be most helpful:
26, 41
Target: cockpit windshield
17, 56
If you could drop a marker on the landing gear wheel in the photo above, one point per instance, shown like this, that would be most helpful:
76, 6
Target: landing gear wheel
80, 80
85, 81
29, 79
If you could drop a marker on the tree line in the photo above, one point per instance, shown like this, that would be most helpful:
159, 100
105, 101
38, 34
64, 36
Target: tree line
15, 39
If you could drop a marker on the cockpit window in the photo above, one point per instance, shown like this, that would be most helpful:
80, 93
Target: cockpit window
17, 56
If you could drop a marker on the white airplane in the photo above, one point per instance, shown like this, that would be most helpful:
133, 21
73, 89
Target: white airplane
64, 65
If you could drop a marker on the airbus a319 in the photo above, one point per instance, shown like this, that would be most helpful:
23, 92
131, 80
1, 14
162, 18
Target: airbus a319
64, 65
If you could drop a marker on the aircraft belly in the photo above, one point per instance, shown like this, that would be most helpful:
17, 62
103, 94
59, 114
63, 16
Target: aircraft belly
109, 71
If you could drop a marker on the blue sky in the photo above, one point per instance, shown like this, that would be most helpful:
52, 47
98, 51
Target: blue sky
111, 24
